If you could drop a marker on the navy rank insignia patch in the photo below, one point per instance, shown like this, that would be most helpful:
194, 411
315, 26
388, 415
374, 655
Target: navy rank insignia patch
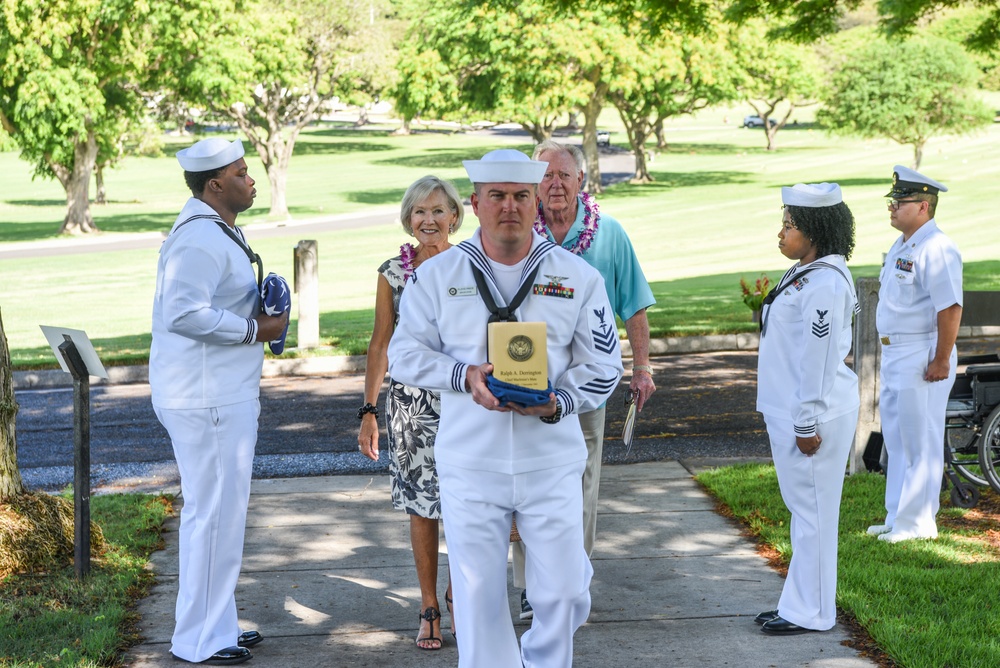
820, 327
904, 264
554, 288
605, 335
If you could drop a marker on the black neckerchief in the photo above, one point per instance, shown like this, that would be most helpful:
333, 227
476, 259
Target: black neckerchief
773, 294
237, 238
502, 313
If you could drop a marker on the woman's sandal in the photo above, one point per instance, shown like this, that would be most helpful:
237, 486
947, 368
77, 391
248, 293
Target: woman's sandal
449, 602
430, 615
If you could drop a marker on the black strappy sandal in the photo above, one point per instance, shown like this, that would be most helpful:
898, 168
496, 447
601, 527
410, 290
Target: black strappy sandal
430, 615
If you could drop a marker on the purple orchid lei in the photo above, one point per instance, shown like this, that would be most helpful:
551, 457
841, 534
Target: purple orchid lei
407, 255
591, 216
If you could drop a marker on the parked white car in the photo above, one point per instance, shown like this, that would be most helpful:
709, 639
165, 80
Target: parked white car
756, 121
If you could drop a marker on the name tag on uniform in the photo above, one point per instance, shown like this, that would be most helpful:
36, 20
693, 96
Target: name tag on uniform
469, 291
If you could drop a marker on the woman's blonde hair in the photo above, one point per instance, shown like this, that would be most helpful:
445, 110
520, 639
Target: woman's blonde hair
423, 188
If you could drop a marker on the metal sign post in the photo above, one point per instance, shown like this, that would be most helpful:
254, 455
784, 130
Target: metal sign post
81, 457
77, 357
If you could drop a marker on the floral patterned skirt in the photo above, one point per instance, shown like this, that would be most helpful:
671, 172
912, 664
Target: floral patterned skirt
412, 415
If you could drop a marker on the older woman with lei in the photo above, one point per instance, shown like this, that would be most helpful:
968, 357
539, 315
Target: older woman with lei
809, 397
431, 210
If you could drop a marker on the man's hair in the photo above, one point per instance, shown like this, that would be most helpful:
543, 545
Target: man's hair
829, 228
197, 181
931, 200
573, 150
423, 188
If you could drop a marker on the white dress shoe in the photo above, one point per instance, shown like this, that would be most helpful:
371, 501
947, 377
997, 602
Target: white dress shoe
876, 529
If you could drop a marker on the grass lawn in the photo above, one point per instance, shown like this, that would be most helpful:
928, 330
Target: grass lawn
53, 619
927, 604
710, 218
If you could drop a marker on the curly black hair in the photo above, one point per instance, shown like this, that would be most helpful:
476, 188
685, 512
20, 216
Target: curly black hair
829, 228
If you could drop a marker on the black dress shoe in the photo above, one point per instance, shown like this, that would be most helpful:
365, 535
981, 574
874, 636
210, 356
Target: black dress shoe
782, 627
766, 616
249, 639
229, 656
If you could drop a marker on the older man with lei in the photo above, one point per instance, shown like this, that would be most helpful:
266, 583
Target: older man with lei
574, 220
520, 459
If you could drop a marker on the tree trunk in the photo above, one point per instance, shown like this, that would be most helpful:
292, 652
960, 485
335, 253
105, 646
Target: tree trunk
102, 193
641, 166
637, 127
77, 185
918, 155
770, 132
571, 122
590, 113
362, 117
11, 484
277, 174
661, 134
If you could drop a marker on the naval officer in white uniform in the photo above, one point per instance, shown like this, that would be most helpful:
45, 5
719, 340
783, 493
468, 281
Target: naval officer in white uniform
809, 397
919, 311
204, 374
497, 462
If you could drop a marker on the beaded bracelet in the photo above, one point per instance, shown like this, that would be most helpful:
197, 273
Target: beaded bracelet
642, 367
367, 408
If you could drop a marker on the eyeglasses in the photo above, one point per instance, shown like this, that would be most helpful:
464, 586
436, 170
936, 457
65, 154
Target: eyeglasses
893, 204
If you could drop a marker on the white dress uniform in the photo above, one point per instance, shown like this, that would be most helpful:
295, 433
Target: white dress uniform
921, 276
803, 388
204, 376
497, 465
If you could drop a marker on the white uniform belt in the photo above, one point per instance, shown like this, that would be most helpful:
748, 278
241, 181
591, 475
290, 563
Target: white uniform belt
891, 339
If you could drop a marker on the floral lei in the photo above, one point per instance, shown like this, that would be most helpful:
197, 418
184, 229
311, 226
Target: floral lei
407, 255
591, 216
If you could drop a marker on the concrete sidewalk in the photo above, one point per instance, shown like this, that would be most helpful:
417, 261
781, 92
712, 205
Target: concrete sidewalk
328, 578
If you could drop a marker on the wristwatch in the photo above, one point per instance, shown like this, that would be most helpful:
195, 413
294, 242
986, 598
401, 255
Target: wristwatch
552, 419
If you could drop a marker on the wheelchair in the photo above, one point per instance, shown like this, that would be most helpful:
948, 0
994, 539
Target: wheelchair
972, 429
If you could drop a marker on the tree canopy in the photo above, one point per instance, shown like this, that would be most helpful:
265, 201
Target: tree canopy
778, 77
797, 20
907, 91
70, 84
272, 66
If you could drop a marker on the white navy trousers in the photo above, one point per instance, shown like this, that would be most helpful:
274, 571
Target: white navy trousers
913, 418
214, 448
477, 507
811, 488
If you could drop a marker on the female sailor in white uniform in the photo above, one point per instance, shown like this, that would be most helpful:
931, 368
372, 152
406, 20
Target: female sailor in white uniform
809, 397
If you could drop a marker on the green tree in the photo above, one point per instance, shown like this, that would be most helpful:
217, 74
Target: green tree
960, 26
796, 20
70, 83
670, 75
779, 77
511, 63
11, 484
273, 66
907, 91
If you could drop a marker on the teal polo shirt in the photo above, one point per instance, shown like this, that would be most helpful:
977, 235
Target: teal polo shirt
611, 253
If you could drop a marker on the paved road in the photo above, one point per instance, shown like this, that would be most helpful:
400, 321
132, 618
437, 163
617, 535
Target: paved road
704, 408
